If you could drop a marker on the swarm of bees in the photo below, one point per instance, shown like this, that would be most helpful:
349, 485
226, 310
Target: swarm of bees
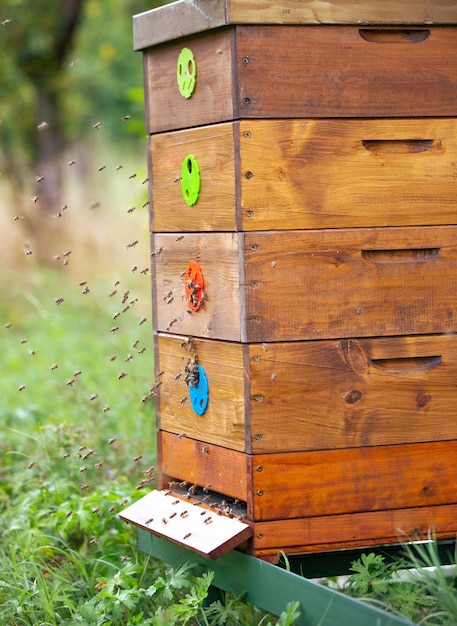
88, 460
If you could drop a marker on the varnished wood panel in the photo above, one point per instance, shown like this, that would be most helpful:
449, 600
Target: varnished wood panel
356, 530
213, 147
218, 256
350, 283
309, 484
299, 174
408, 76
187, 17
352, 392
223, 422
312, 395
203, 464
349, 71
212, 100
304, 173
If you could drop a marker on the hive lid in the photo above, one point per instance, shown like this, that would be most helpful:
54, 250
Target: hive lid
188, 17
197, 528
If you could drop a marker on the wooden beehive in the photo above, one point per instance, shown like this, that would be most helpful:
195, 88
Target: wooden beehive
304, 248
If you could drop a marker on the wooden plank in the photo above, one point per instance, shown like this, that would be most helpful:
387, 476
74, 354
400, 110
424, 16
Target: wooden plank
347, 173
197, 528
350, 283
215, 208
212, 99
355, 530
351, 393
310, 484
182, 458
323, 72
343, 12
187, 17
217, 254
223, 422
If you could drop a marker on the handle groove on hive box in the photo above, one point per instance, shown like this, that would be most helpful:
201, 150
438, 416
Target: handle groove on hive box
407, 364
397, 146
393, 36
408, 255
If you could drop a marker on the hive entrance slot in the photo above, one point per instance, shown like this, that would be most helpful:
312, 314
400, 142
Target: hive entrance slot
187, 522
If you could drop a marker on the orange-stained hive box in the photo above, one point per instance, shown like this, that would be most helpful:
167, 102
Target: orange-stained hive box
304, 249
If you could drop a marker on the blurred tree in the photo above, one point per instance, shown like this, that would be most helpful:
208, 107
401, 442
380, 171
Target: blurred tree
64, 64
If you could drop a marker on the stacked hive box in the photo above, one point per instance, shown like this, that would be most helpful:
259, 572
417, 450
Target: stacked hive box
304, 191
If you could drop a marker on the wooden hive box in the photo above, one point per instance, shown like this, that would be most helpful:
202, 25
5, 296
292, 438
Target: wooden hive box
304, 252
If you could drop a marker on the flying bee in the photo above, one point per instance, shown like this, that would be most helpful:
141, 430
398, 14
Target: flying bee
124, 502
112, 509
31, 464
70, 382
66, 455
148, 521
126, 308
113, 357
82, 469
106, 409
96, 510
35, 199
59, 301
93, 542
54, 366
72, 162
97, 125
138, 457
93, 396
135, 343
142, 321
206, 488
114, 329
164, 520
183, 400
134, 269
208, 520
68, 513
156, 252
85, 487
142, 350
132, 176
131, 209
118, 167
39, 179
187, 536
101, 168
98, 465
172, 515
8, 325
122, 375
124, 559
144, 271
111, 441
113, 293
132, 244
184, 514
21, 388
128, 358
85, 290
125, 118
77, 373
